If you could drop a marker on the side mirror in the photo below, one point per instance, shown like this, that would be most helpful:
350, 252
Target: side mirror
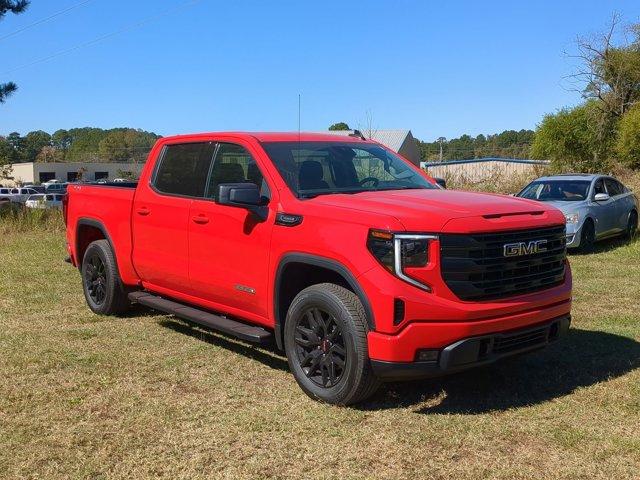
242, 195
441, 181
601, 197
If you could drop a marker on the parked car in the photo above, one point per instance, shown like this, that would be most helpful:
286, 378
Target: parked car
45, 200
51, 182
595, 206
37, 188
344, 253
56, 188
17, 195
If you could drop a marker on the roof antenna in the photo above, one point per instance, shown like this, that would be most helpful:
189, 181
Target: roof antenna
299, 108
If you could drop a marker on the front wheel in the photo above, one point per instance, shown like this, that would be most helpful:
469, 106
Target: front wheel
101, 281
325, 339
632, 225
588, 237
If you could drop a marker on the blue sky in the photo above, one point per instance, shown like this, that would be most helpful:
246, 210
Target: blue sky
438, 68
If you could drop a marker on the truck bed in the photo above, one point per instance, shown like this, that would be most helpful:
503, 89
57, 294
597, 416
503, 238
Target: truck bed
108, 207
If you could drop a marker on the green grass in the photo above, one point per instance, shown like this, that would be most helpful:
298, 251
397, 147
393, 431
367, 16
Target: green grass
148, 396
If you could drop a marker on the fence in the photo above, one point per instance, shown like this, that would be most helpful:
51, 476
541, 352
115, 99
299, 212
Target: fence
505, 175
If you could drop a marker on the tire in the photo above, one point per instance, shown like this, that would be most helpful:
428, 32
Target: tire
328, 356
587, 237
101, 282
632, 225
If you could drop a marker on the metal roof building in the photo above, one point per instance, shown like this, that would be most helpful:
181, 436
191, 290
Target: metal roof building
400, 141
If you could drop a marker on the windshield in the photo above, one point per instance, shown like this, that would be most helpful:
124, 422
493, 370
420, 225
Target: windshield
320, 168
557, 190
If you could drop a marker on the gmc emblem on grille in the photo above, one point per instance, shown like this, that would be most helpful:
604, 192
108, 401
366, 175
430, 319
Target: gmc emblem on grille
524, 248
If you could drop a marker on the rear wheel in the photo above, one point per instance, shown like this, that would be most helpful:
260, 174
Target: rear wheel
588, 237
325, 338
632, 225
100, 280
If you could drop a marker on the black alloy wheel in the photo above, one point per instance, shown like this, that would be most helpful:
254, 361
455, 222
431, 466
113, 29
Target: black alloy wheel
101, 283
325, 339
320, 348
95, 278
588, 237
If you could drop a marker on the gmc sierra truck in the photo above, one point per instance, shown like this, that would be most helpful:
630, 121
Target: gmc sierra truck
341, 252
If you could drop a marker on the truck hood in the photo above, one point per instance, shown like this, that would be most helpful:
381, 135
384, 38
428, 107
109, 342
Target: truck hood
437, 210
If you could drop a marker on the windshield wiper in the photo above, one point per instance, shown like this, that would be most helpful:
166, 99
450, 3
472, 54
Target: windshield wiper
331, 192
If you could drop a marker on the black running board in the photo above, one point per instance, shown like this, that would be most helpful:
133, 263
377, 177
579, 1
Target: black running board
240, 330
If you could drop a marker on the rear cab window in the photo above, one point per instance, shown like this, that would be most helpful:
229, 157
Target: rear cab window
183, 169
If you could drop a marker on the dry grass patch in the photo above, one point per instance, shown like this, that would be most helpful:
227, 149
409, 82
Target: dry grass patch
148, 396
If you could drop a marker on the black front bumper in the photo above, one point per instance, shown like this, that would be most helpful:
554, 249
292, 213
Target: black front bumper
476, 351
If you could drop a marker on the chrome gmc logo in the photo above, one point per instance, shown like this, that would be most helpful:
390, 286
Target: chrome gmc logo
524, 248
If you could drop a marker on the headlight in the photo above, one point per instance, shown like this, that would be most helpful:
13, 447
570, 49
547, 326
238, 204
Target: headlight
397, 251
571, 218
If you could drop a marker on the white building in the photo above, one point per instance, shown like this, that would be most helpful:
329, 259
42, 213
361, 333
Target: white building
39, 172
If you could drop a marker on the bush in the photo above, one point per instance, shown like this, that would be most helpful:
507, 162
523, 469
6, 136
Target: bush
628, 141
16, 218
573, 139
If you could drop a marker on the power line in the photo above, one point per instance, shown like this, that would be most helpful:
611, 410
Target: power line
44, 20
127, 28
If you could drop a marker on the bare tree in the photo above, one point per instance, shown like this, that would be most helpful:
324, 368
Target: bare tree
368, 129
608, 75
609, 72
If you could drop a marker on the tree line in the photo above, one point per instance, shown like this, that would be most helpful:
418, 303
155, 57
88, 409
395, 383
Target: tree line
508, 144
77, 145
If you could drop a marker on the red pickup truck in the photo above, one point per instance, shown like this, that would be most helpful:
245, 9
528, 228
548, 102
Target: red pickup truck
352, 260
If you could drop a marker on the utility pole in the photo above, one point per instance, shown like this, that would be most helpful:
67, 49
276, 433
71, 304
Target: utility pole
441, 140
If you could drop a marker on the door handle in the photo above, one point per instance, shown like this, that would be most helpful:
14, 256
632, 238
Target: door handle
200, 219
143, 211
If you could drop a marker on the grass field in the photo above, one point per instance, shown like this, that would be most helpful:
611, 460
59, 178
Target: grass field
148, 396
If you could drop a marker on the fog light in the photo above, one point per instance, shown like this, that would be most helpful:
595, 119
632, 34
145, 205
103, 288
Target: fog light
428, 355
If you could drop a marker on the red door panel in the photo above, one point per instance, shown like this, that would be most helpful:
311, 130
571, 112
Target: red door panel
160, 232
229, 256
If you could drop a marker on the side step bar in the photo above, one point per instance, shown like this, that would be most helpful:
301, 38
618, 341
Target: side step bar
240, 330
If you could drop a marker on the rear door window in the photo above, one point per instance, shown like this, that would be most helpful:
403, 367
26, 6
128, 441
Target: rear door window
183, 169
613, 187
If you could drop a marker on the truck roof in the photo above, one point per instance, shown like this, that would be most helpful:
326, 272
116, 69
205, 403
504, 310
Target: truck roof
279, 136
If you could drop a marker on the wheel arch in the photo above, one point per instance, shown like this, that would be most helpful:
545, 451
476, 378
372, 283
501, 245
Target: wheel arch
89, 230
307, 269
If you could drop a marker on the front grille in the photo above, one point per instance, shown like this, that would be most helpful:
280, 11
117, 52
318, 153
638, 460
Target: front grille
512, 343
475, 268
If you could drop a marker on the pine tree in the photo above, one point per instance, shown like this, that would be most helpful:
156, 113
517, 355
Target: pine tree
13, 6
